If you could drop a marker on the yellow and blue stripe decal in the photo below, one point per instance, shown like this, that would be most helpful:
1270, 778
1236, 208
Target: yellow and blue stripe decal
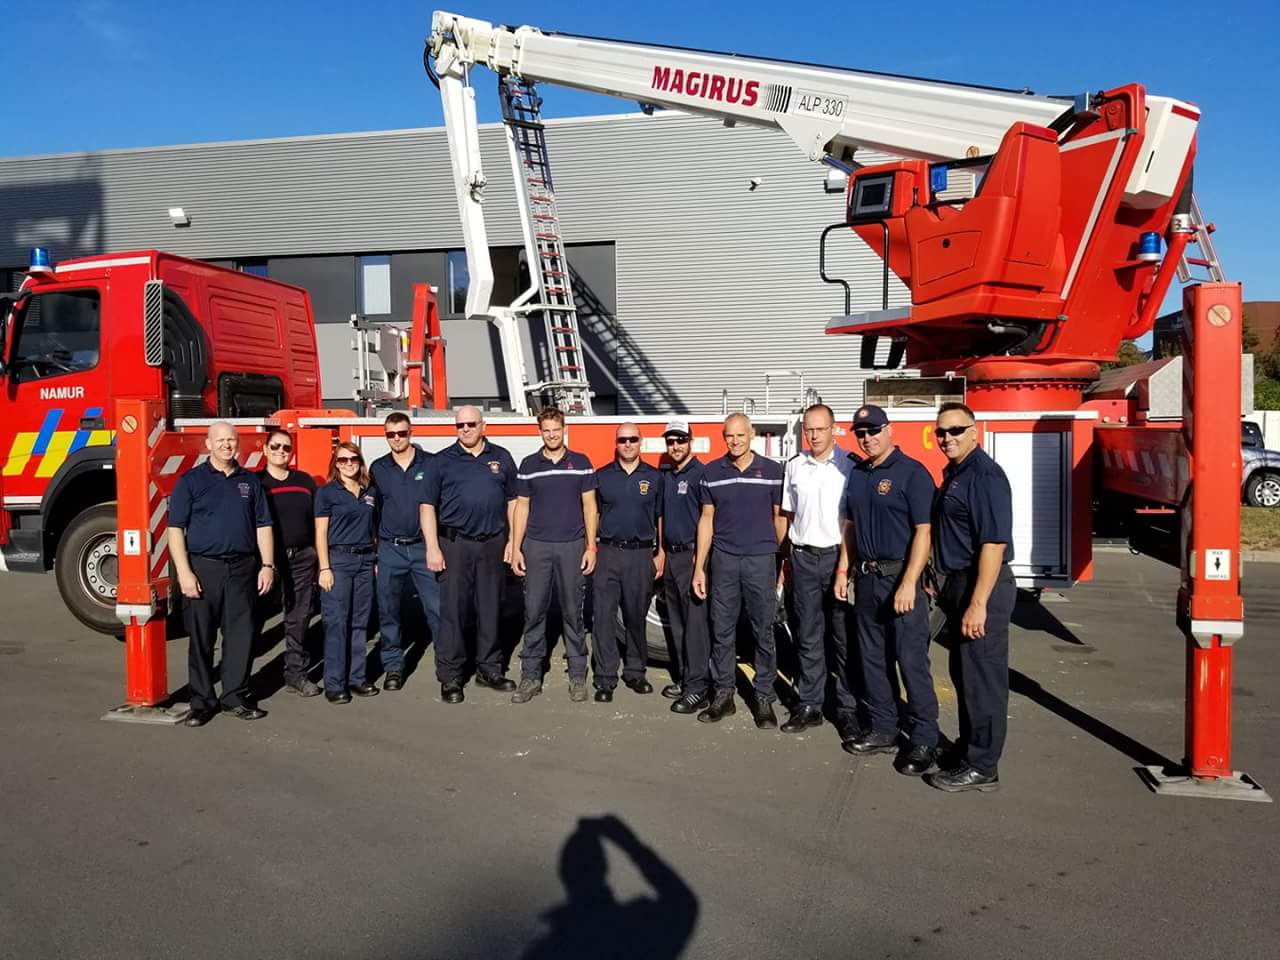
51, 445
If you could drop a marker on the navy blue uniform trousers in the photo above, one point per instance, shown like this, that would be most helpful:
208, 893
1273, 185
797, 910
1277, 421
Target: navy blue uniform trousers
296, 570
980, 668
687, 615
623, 579
821, 623
345, 611
396, 564
884, 636
743, 585
228, 593
557, 565
472, 575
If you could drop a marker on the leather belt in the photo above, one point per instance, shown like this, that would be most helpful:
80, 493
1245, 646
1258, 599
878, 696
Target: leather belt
405, 541
224, 557
450, 533
679, 547
819, 551
879, 568
350, 548
627, 544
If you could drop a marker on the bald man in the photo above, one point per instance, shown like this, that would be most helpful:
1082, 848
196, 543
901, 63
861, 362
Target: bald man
467, 511
629, 492
739, 531
222, 547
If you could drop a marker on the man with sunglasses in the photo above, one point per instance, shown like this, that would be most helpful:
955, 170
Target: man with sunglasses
813, 505
741, 521
886, 547
678, 534
401, 479
629, 493
467, 510
973, 535
554, 530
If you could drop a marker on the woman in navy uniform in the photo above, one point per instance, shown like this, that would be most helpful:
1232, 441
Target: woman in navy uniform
346, 511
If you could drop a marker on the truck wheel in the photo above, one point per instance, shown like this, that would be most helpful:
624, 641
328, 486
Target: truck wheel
86, 566
656, 634
1263, 490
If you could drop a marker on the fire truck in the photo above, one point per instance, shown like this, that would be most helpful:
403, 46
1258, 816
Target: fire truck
81, 335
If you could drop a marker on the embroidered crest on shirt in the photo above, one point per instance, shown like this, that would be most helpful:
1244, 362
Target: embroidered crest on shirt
494, 466
682, 487
418, 475
368, 498
884, 486
244, 490
644, 488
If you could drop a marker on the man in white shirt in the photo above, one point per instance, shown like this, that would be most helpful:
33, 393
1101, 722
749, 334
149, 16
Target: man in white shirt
813, 503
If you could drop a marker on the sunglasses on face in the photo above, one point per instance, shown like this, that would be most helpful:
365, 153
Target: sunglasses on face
466, 424
344, 461
951, 431
397, 434
677, 441
286, 447
622, 440
863, 432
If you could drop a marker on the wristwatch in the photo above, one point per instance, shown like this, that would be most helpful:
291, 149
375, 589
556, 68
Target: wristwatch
268, 566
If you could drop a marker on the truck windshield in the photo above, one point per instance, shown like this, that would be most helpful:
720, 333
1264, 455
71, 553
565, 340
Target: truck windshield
57, 333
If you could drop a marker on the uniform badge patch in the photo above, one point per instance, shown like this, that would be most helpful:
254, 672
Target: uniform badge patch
244, 490
495, 466
418, 475
682, 487
884, 486
644, 488
860, 413
368, 498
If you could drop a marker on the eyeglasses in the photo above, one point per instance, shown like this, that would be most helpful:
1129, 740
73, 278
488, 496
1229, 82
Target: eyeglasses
863, 432
676, 441
816, 429
343, 461
628, 440
952, 431
286, 447
466, 424
397, 434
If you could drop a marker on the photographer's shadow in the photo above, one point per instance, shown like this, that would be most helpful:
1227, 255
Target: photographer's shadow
592, 923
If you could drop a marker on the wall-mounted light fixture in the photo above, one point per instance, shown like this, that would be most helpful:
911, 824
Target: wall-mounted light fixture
178, 217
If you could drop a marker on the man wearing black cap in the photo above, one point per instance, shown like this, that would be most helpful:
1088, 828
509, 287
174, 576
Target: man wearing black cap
973, 528
678, 532
886, 547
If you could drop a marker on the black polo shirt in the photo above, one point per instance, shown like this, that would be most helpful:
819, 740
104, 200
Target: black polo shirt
220, 513
973, 506
886, 503
290, 502
680, 505
744, 502
629, 502
401, 492
555, 495
352, 519
470, 493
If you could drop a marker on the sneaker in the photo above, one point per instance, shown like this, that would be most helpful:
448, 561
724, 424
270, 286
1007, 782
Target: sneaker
963, 778
578, 691
673, 691
304, 688
528, 689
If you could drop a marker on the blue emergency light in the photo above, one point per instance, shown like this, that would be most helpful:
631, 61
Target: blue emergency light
1149, 247
937, 179
40, 261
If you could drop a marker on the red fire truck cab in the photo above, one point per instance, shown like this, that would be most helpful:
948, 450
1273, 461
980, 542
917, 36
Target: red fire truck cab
76, 337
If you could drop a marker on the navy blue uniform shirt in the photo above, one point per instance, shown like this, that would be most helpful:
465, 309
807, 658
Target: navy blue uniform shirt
401, 492
221, 514
680, 505
470, 493
973, 506
352, 520
629, 502
885, 504
555, 495
744, 502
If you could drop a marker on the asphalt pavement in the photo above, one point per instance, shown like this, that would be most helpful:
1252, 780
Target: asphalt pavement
402, 827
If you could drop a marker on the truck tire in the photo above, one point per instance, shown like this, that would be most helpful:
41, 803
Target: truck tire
1263, 489
656, 633
86, 566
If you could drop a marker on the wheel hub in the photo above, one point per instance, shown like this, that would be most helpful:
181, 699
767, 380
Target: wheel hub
100, 568
1269, 492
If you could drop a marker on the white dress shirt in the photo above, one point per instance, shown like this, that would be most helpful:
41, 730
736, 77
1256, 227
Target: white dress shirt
813, 493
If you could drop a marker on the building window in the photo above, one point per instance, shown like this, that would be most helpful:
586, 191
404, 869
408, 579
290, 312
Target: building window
459, 281
375, 286
256, 267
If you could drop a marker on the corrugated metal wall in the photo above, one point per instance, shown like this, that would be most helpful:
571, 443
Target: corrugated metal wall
717, 282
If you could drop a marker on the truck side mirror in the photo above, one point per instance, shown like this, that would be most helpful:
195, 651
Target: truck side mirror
153, 323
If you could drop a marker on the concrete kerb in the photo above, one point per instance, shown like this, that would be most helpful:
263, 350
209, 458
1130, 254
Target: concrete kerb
1250, 556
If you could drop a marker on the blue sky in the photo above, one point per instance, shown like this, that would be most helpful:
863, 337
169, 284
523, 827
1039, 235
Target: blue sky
102, 74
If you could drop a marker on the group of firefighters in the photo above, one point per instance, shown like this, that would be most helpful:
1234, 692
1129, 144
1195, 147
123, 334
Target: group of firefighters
860, 538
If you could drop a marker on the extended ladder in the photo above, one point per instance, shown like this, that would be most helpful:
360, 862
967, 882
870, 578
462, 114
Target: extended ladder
1208, 258
566, 385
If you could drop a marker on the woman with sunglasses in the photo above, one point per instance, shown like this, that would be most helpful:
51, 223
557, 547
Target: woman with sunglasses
290, 494
346, 511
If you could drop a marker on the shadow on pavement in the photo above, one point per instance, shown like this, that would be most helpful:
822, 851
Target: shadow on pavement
592, 923
1034, 615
